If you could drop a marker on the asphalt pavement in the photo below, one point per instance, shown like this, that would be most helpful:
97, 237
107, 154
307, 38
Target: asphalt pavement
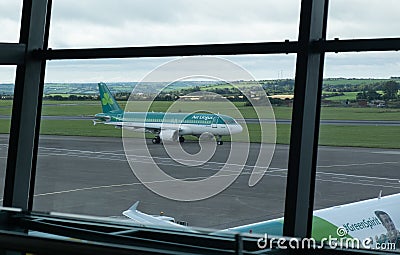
91, 175
252, 121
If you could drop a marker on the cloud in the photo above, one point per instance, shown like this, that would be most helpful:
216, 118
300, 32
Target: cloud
362, 65
93, 23
175, 11
10, 17
7, 74
114, 70
88, 24
363, 19
106, 70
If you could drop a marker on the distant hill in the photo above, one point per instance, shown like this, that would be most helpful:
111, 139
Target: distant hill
352, 81
115, 87
329, 84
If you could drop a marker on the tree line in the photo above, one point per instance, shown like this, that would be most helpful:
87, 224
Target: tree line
389, 89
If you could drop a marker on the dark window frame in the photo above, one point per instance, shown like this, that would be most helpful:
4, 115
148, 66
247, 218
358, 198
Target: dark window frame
31, 54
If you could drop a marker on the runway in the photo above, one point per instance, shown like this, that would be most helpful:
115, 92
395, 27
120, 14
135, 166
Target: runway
89, 175
253, 121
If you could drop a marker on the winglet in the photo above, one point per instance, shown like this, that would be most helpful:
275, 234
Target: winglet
134, 206
380, 194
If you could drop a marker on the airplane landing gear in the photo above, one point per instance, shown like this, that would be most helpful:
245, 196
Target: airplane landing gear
181, 139
156, 140
219, 140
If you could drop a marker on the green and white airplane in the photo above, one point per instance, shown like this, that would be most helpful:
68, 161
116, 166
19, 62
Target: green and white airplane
375, 220
165, 126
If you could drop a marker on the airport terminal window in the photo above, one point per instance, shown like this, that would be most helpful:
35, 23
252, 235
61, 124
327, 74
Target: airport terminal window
359, 141
356, 19
82, 167
173, 22
6, 93
83, 171
10, 20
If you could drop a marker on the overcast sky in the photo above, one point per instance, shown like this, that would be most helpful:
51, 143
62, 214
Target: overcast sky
94, 23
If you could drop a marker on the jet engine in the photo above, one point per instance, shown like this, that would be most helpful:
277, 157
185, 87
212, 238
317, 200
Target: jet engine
169, 135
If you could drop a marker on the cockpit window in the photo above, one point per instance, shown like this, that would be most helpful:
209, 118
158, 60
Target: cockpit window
228, 120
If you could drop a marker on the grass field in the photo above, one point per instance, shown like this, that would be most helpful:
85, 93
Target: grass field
347, 113
89, 108
344, 82
332, 135
230, 86
363, 136
346, 96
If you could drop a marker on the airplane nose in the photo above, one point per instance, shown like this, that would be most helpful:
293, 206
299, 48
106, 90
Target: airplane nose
237, 129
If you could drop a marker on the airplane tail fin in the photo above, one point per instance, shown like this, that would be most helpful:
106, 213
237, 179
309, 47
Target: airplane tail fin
108, 102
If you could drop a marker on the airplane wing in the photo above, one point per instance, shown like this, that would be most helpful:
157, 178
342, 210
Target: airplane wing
147, 127
376, 219
146, 219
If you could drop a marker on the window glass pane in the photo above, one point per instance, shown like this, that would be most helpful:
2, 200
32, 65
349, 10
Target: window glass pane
136, 23
10, 20
85, 168
363, 19
7, 75
359, 144
364, 65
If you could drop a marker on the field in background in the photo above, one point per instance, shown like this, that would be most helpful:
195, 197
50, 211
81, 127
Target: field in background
333, 135
351, 82
347, 96
90, 108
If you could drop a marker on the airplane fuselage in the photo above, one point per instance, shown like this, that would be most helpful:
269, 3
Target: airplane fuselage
185, 123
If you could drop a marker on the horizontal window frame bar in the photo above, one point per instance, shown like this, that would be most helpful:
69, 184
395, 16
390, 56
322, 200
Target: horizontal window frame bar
286, 47
14, 241
99, 242
77, 230
41, 245
12, 53
357, 45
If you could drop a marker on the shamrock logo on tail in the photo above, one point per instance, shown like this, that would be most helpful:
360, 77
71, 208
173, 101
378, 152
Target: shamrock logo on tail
106, 99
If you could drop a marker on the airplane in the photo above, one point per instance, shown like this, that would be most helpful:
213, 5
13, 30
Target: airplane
373, 220
165, 126
142, 218
365, 224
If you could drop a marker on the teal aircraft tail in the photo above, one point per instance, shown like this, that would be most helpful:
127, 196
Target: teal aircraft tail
108, 102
